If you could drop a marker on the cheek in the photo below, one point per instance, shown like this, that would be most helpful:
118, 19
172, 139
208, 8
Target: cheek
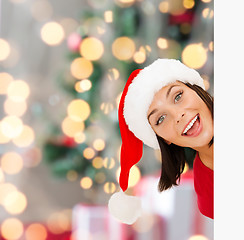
167, 132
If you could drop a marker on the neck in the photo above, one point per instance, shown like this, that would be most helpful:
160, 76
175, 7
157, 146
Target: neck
206, 155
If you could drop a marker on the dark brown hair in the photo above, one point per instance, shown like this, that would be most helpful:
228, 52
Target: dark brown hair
173, 156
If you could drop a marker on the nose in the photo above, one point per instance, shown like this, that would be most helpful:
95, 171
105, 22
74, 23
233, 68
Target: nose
180, 117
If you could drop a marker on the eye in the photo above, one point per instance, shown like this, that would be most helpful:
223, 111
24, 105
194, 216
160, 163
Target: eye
160, 120
178, 97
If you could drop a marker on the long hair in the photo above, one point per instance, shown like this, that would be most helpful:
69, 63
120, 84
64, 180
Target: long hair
173, 156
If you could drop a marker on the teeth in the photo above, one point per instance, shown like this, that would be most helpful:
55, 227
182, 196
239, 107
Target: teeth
190, 124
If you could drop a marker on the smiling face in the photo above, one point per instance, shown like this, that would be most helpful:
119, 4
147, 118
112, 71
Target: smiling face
179, 116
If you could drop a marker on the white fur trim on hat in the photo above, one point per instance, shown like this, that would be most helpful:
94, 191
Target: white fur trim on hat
143, 88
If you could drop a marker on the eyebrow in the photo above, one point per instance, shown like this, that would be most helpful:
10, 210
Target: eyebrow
169, 90
167, 94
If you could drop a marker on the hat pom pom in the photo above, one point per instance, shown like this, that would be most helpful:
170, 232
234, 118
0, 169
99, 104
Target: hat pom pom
125, 208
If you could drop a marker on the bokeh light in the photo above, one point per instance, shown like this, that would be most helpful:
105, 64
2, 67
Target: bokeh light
88, 153
109, 187
59, 222
108, 16
99, 144
134, 176
5, 80
12, 229
162, 43
140, 56
100, 177
81, 68
94, 26
124, 3
25, 138
18, 90
194, 55
35, 231
4, 49
3, 138
5, 190
52, 33
11, 163
164, 6
123, 48
106, 107
2, 177
108, 162
176, 7
15, 108
188, 4
198, 237
206, 1
72, 175
113, 74
207, 13
32, 157
11, 126
71, 127
91, 48
211, 46
78, 110
83, 85
80, 137
86, 182
15, 202
97, 162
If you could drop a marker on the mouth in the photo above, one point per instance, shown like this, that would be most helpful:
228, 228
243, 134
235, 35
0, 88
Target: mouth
193, 128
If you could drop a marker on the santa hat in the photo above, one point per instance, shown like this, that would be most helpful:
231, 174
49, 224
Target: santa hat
135, 129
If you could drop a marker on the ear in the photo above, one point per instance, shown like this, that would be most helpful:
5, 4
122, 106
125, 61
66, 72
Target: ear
168, 142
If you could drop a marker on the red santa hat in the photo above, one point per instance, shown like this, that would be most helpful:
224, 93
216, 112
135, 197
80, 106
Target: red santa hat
135, 129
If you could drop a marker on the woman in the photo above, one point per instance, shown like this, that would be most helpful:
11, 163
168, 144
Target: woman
166, 107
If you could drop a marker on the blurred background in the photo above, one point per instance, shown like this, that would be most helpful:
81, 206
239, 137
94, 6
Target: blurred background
63, 66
